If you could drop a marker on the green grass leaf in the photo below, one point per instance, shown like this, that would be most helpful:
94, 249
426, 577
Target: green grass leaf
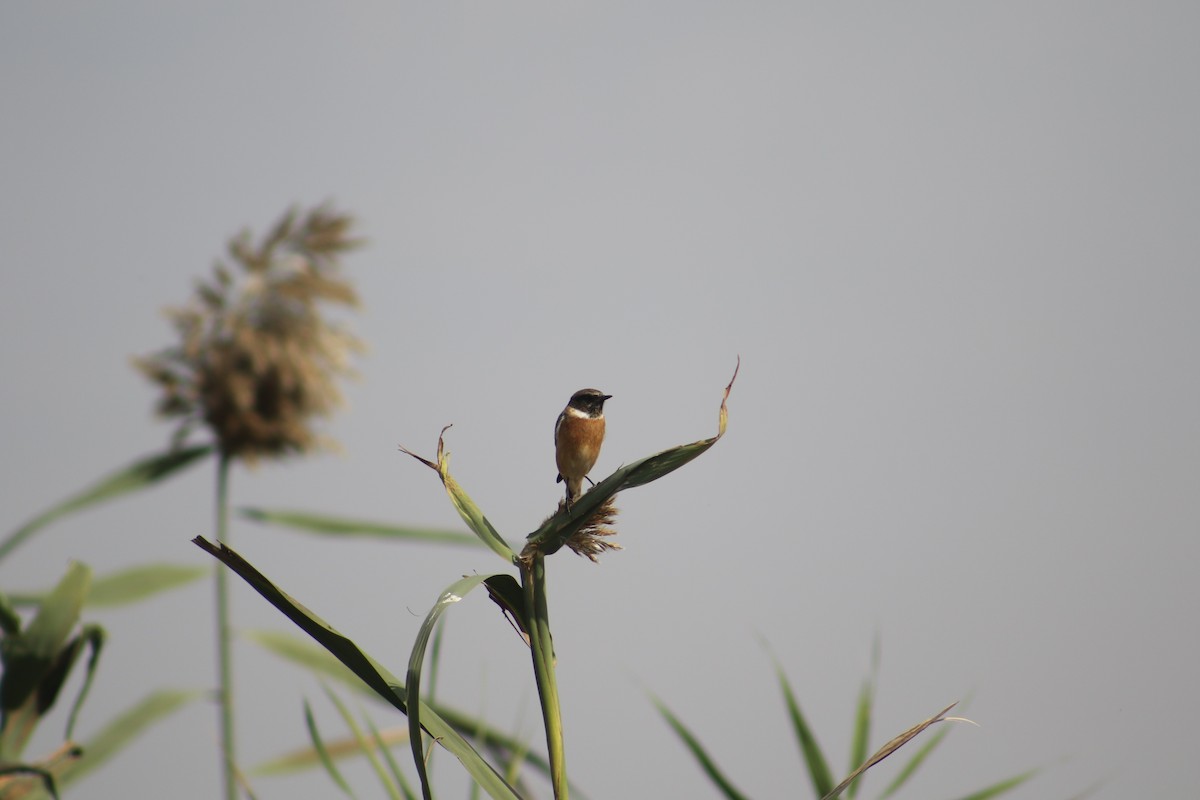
37, 661
470, 513
139, 583
341, 527
454, 593
322, 755
118, 734
364, 746
384, 746
139, 475
699, 753
314, 658
369, 670
997, 789
862, 730
818, 768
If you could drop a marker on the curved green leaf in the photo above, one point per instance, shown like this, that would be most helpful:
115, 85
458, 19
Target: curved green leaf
139, 583
453, 594
340, 527
997, 789
365, 667
699, 753
37, 661
463, 503
818, 768
138, 475
115, 736
322, 754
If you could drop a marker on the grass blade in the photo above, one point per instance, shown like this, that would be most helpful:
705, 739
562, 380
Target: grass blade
453, 594
862, 730
699, 753
365, 667
997, 789
323, 662
139, 475
345, 528
139, 583
470, 513
384, 746
312, 657
363, 745
305, 758
818, 768
322, 754
116, 735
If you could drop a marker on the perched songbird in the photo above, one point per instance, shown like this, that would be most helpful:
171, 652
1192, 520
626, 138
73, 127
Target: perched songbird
578, 435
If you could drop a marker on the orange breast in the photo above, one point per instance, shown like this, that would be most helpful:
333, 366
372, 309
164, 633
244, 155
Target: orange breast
577, 445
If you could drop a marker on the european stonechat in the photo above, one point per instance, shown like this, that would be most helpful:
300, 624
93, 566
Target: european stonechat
578, 434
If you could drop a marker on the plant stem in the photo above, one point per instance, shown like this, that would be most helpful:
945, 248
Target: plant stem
224, 638
533, 576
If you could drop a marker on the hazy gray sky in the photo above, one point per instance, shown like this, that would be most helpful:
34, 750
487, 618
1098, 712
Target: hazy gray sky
955, 246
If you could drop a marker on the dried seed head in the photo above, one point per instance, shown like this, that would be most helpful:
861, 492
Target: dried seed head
256, 361
590, 540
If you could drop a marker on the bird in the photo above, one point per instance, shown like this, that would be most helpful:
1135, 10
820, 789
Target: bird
578, 434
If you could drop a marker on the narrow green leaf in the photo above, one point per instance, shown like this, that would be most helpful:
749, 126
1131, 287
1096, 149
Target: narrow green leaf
997, 789
115, 736
139, 475
314, 736
139, 583
862, 731
453, 594
699, 753
470, 513
304, 653
384, 746
37, 661
363, 745
541, 646
59, 612
323, 662
375, 676
560, 527
337, 526
818, 768
93, 636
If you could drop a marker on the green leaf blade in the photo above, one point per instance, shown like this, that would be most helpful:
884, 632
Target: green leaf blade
139, 475
120, 732
365, 667
323, 525
698, 752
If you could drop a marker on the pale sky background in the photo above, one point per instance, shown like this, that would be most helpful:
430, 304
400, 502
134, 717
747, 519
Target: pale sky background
955, 245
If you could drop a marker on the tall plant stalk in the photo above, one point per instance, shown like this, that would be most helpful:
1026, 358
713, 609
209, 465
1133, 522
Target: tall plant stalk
224, 640
541, 645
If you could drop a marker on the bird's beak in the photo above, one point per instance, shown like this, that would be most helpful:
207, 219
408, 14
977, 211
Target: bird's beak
606, 397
